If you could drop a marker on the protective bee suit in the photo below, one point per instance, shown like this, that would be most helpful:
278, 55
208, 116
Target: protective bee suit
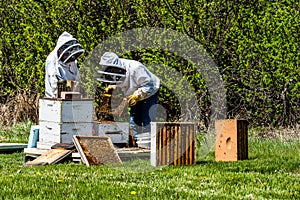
137, 83
61, 63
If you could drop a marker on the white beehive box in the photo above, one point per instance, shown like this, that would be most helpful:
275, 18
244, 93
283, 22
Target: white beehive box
60, 119
66, 110
117, 131
63, 133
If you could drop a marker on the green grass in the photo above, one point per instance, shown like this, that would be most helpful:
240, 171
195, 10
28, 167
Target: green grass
16, 133
271, 172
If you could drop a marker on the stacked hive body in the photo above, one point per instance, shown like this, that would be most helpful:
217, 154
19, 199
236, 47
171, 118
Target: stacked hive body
173, 143
117, 131
231, 140
60, 119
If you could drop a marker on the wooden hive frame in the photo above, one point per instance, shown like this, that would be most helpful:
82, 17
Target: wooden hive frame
96, 150
173, 143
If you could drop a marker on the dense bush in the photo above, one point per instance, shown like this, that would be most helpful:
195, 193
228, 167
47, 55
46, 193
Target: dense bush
255, 46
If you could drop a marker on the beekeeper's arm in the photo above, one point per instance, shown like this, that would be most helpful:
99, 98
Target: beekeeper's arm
50, 80
147, 85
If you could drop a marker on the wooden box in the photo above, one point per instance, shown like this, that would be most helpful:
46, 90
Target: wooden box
60, 119
173, 143
231, 140
55, 110
70, 95
53, 132
117, 131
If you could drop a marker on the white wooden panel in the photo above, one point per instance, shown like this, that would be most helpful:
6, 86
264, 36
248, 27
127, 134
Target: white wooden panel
49, 132
63, 132
75, 129
45, 145
65, 110
153, 144
49, 110
117, 131
144, 139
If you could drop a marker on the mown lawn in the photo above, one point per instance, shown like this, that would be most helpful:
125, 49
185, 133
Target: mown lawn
271, 172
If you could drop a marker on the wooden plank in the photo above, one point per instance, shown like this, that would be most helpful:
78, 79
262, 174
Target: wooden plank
194, 144
191, 139
187, 145
158, 144
182, 146
191, 147
160, 147
174, 131
242, 132
50, 157
154, 144
179, 146
172, 145
168, 146
10, 147
125, 154
4, 146
35, 151
96, 150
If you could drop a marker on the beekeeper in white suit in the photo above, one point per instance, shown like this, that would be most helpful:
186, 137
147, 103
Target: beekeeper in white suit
137, 83
61, 63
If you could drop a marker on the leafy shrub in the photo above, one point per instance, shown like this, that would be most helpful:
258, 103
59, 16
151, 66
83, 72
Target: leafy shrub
254, 44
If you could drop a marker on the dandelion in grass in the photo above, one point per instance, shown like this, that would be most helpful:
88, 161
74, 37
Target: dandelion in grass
133, 192
38, 173
59, 181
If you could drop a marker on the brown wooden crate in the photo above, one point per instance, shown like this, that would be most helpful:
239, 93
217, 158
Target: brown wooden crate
175, 143
231, 140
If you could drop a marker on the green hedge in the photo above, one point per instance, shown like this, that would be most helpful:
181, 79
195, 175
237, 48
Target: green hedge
255, 46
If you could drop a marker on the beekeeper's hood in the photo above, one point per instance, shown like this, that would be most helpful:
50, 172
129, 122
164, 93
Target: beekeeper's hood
111, 69
68, 49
